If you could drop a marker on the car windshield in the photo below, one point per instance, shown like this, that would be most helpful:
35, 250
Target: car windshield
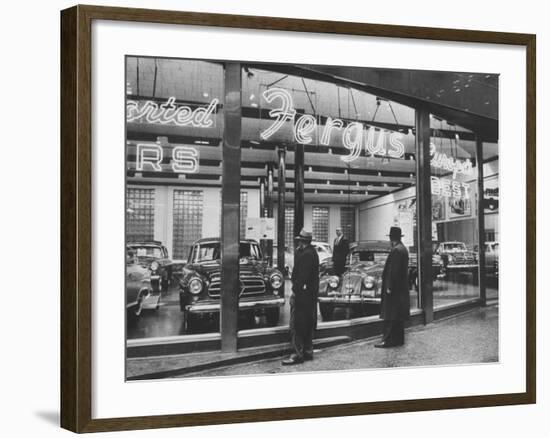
369, 257
147, 251
455, 246
323, 249
210, 251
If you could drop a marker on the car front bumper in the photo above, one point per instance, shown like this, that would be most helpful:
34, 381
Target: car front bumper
348, 300
469, 266
209, 307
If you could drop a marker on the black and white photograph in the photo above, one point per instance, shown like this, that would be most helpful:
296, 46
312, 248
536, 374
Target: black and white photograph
284, 218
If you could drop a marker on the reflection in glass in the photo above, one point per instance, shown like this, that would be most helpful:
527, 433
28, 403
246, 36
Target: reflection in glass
173, 178
358, 171
453, 168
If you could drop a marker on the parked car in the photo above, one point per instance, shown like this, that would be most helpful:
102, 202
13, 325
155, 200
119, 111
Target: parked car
456, 257
491, 257
142, 285
359, 287
289, 261
155, 255
262, 287
438, 267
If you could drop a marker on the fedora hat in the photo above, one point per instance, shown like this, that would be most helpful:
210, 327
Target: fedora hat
395, 232
304, 235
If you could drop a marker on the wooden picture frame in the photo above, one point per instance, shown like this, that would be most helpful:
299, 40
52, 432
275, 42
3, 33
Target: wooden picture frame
76, 217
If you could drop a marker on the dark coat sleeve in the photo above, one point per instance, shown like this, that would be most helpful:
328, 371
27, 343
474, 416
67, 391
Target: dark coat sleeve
305, 274
396, 304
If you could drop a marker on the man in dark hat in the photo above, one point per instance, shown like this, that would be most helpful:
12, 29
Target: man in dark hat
303, 301
395, 308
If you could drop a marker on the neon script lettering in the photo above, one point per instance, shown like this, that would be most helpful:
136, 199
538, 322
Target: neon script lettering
355, 136
441, 161
169, 113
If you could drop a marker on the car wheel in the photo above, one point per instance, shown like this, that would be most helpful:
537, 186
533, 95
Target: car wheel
190, 322
272, 316
326, 311
182, 303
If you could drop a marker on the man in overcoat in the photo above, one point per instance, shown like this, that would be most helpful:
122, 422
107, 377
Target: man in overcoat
340, 251
395, 307
303, 300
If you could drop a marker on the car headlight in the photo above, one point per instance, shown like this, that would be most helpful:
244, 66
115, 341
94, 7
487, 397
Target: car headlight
195, 286
333, 282
276, 281
368, 282
154, 266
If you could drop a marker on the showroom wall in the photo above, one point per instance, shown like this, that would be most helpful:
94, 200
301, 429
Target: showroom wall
377, 215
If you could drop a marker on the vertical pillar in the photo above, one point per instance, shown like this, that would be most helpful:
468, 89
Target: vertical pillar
481, 223
231, 194
262, 212
262, 197
269, 208
298, 188
281, 207
424, 212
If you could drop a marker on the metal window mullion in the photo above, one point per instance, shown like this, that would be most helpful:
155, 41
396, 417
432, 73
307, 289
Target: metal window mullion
424, 212
231, 195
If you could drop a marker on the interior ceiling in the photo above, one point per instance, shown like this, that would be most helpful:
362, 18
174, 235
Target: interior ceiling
328, 179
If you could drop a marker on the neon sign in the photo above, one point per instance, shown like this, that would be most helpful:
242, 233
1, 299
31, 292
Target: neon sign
355, 136
450, 188
169, 113
441, 161
185, 159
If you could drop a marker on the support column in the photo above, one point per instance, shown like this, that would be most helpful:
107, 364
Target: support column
481, 223
262, 213
269, 208
424, 213
231, 194
281, 207
298, 188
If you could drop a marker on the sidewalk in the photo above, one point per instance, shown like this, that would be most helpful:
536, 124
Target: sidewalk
463, 339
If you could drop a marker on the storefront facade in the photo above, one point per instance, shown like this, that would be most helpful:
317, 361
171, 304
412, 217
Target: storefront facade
234, 151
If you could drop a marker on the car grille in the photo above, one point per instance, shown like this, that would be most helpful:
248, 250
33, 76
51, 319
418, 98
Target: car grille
461, 258
251, 284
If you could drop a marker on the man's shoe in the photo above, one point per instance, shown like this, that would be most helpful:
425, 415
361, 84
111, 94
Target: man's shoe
292, 360
308, 356
382, 345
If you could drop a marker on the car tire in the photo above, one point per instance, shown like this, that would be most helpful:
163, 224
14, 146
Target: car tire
190, 322
272, 316
326, 311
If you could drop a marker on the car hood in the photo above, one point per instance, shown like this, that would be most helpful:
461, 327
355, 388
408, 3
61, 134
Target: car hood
213, 267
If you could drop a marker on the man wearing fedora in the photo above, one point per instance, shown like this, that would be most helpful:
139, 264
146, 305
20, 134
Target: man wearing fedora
395, 307
303, 300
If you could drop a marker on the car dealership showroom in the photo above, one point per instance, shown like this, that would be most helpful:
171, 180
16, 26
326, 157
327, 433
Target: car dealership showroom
228, 161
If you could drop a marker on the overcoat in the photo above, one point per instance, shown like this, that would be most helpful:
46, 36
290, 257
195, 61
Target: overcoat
396, 304
339, 253
305, 286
